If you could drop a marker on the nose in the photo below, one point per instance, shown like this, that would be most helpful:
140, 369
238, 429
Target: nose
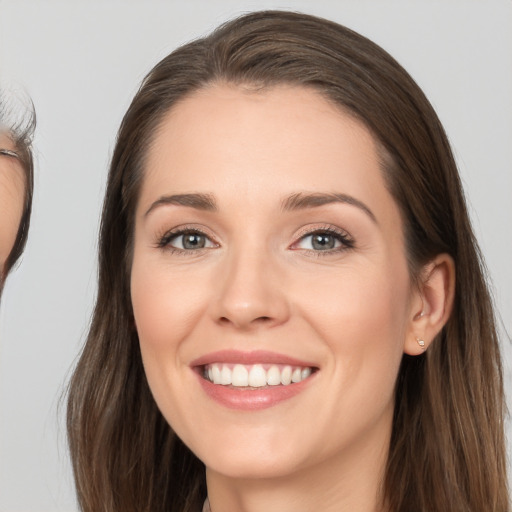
251, 293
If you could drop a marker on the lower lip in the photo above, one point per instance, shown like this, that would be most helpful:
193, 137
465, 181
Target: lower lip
252, 399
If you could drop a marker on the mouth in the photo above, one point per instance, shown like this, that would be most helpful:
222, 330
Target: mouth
255, 376
252, 380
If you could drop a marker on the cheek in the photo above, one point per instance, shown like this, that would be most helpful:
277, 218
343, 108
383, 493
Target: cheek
369, 301
362, 322
168, 303
166, 307
362, 316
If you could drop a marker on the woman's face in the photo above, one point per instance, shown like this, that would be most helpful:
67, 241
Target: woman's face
269, 254
12, 191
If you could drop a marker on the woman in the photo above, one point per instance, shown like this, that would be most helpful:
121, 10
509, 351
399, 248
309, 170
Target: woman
16, 182
291, 312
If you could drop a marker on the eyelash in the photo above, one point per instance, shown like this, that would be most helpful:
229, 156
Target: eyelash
164, 241
346, 241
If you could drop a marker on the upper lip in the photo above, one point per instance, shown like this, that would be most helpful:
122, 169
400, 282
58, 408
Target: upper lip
247, 358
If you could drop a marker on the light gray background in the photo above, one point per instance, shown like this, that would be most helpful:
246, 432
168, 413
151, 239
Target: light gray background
81, 62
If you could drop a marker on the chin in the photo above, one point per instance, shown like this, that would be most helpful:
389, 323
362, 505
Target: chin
252, 467
244, 449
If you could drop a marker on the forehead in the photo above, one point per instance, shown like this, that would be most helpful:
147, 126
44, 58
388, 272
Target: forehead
250, 150
275, 132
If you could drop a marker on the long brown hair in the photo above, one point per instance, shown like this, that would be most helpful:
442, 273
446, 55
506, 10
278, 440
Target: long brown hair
18, 122
447, 448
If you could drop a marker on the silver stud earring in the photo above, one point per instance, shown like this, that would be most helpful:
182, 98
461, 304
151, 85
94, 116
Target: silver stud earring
421, 343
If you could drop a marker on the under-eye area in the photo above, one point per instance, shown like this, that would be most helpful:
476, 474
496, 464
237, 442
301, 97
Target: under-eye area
255, 376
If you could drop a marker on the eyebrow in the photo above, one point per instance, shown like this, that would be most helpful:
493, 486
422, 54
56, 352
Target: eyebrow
298, 201
204, 202
302, 201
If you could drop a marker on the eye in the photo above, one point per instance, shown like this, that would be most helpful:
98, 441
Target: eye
188, 240
324, 241
318, 242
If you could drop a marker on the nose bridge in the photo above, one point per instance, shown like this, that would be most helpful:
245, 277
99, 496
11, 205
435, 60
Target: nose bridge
250, 293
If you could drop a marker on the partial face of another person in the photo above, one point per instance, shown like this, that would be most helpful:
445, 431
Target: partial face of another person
12, 193
269, 282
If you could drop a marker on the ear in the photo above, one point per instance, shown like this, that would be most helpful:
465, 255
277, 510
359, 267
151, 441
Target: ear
432, 303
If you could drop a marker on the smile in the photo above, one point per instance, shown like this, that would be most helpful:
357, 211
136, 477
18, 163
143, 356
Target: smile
255, 376
251, 381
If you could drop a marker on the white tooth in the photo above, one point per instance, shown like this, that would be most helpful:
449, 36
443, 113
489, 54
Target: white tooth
257, 376
306, 372
296, 375
273, 376
286, 375
225, 376
210, 373
216, 374
240, 376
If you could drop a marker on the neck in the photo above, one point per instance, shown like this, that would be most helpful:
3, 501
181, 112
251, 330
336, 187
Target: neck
351, 482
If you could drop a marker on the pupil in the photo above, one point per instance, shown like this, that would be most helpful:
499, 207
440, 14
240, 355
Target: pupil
323, 242
193, 241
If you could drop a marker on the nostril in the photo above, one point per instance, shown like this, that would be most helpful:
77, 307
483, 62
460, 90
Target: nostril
257, 320
262, 319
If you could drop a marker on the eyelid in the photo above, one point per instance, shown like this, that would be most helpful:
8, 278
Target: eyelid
314, 228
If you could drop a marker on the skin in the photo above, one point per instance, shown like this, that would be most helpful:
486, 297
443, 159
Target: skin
260, 285
12, 190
